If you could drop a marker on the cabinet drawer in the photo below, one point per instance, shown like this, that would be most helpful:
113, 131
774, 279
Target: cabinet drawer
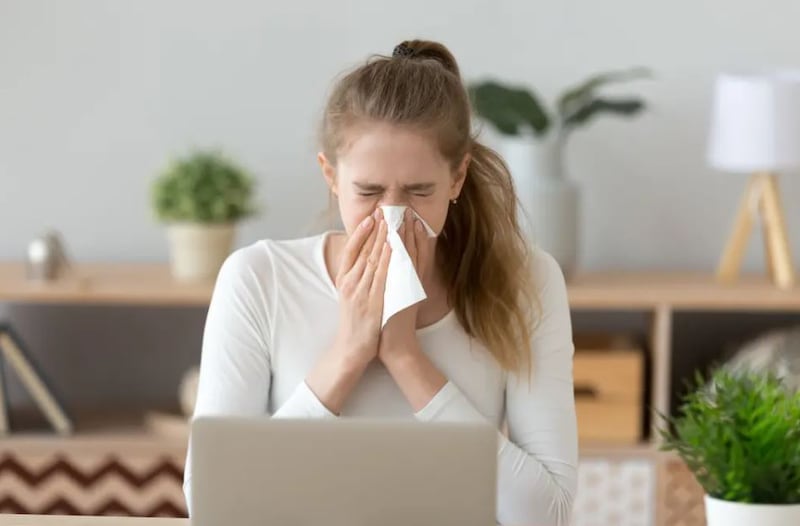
609, 380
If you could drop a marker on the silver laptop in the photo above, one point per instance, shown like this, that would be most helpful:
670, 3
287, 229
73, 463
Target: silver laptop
350, 472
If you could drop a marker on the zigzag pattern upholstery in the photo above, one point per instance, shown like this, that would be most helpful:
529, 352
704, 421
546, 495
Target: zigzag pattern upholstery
85, 482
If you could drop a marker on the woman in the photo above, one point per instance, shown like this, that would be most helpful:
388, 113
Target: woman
294, 327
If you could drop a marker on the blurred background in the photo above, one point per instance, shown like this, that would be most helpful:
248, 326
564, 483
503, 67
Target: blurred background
97, 97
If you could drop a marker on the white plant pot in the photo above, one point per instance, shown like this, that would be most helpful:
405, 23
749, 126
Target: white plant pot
198, 250
726, 513
549, 201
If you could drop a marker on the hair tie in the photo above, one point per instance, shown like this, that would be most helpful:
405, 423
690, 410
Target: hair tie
402, 50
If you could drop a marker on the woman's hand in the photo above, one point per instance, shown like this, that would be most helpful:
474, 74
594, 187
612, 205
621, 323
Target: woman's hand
399, 335
360, 281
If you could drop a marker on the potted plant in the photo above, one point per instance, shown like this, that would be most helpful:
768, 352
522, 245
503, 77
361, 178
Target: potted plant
740, 437
201, 197
532, 139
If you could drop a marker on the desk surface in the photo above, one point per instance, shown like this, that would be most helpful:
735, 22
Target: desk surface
74, 520
152, 284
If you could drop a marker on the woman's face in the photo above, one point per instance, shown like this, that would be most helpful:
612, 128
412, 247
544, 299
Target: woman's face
391, 165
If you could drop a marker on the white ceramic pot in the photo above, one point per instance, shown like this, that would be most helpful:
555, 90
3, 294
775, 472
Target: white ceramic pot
726, 513
198, 250
549, 201
187, 393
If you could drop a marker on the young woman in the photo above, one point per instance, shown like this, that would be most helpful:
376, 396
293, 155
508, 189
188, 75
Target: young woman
294, 327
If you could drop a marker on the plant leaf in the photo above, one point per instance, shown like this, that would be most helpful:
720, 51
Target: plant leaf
510, 109
580, 95
204, 187
627, 107
740, 436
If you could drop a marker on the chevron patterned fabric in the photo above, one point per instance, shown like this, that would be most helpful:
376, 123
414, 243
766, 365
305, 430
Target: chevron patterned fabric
87, 484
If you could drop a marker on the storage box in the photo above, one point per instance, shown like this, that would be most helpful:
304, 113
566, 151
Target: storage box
681, 496
609, 389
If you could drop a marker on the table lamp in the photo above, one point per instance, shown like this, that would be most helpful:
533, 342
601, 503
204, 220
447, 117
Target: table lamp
755, 129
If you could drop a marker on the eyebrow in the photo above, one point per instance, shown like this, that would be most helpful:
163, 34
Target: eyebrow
414, 187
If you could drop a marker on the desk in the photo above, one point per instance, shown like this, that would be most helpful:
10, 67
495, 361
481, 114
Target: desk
73, 520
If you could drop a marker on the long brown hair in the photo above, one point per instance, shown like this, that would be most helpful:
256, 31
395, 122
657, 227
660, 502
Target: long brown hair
484, 256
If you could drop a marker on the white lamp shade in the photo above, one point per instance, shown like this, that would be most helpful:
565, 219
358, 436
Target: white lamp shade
755, 122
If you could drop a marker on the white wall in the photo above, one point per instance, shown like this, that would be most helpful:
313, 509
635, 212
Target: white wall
96, 94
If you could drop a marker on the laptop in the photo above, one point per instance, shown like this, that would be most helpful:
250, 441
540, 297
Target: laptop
292, 472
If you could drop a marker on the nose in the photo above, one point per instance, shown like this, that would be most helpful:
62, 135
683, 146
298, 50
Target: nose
394, 198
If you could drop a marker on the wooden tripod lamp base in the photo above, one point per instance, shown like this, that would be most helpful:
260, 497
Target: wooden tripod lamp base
762, 198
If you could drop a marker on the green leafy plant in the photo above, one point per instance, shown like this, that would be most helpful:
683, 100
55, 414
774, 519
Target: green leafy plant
515, 110
203, 187
740, 437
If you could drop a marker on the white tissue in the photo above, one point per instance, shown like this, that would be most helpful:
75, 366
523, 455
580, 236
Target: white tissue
403, 287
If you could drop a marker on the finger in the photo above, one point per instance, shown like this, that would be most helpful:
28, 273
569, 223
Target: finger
374, 257
357, 239
354, 273
379, 281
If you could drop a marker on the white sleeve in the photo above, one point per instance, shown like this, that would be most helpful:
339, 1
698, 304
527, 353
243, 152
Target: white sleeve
235, 369
537, 463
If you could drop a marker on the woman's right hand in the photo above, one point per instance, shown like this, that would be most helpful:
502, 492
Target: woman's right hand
360, 282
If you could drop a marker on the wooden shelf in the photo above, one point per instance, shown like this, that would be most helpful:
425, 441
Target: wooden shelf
126, 433
679, 291
105, 283
152, 284
162, 430
642, 449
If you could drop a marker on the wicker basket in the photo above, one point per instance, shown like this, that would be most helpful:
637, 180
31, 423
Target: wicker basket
681, 497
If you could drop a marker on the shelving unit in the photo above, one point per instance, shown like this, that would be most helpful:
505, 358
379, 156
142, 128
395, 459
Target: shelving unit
659, 296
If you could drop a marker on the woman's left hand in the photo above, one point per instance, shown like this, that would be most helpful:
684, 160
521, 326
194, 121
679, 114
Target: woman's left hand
399, 335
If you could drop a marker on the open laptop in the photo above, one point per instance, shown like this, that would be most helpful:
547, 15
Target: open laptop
350, 472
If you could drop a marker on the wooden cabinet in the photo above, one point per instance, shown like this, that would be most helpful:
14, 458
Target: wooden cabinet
609, 389
113, 463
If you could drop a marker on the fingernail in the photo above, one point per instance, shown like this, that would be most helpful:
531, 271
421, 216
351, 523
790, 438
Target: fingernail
418, 225
377, 213
366, 222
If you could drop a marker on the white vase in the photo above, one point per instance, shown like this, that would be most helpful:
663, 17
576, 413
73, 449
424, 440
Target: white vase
187, 392
198, 250
726, 513
549, 201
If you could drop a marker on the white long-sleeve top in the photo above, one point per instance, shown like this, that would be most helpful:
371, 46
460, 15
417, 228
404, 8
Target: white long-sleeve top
274, 310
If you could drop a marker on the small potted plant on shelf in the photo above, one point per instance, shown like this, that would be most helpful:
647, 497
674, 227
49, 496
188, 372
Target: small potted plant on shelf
201, 197
739, 435
532, 138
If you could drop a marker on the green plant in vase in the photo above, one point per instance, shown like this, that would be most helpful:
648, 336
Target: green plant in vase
740, 437
532, 142
201, 197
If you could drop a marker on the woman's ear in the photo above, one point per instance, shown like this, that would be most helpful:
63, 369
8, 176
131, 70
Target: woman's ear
328, 172
460, 176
